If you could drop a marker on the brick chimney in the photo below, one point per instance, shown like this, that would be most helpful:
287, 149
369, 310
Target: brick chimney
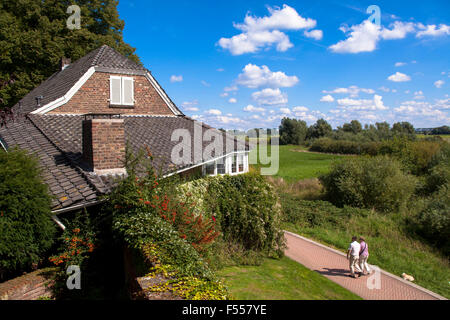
104, 145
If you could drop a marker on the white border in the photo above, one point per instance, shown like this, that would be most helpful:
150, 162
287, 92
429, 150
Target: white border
64, 99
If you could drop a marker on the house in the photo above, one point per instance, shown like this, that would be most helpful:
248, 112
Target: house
79, 121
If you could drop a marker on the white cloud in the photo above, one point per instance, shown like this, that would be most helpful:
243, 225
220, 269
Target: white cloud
258, 33
418, 95
433, 30
215, 112
353, 91
439, 83
362, 104
228, 120
220, 70
285, 111
270, 96
400, 64
399, 30
399, 77
365, 36
327, 98
232, 100
190, 105
231, 88
429, 113
300, 109
361, 38
251, 108
206, 84
175, 78
314, 34
254, 76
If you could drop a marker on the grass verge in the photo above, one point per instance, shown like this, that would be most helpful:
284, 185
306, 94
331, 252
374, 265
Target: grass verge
281, 279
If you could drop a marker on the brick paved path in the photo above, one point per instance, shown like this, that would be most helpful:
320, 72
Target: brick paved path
334, 265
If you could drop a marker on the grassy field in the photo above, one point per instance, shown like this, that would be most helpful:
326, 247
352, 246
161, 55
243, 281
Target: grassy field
296, 164
282, 279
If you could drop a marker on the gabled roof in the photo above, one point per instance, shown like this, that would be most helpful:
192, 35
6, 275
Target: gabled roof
57, 141
60, 83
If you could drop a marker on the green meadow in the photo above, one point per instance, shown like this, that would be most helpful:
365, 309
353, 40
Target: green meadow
297, 164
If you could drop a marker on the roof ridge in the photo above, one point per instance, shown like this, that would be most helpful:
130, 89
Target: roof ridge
100, 52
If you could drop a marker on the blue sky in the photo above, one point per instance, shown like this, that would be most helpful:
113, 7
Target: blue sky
247, 64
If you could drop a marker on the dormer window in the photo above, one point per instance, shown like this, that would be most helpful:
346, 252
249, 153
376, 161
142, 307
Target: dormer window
121, 91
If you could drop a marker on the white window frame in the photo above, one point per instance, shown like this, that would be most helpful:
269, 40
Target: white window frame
122, 95
228, 161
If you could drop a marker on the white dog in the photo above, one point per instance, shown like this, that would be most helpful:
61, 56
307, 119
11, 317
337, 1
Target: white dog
407, 277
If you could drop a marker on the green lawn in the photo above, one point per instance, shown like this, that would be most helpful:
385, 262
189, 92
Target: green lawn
296, 165
282, 279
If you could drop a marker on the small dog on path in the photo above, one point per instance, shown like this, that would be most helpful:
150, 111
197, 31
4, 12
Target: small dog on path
407, 277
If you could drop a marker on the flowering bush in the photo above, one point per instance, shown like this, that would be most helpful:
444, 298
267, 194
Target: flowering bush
75, 249
166, 230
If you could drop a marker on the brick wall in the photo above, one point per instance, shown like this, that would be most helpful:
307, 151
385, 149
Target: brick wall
104, 143
31, 286
94, 95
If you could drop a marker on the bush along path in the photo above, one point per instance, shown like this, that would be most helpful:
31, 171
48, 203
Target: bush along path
333, 264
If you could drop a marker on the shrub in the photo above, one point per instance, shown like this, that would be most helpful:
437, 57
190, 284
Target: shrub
77, 242
171, 238
416, 156
328, 145
434, 221
376, 182
246, 209
26, 228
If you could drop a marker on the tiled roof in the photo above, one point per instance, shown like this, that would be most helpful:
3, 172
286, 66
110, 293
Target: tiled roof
57, 141
65, 181
58, 84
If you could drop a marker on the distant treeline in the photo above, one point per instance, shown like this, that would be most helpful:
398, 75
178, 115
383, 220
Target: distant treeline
435, 131
293, 131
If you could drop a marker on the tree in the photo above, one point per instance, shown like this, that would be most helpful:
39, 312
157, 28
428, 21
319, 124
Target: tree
354, 126
383, 130
292, 131
403, 128
441, 130
34, 37
320, 129
26, 229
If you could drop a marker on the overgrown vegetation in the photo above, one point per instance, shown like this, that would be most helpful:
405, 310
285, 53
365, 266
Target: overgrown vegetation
248, 216
145, 216
392, 240
377, 182
26, 228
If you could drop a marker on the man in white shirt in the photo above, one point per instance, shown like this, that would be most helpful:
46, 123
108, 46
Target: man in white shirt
353, 256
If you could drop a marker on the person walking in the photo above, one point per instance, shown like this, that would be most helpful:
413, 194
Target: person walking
353, 256
363, 256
